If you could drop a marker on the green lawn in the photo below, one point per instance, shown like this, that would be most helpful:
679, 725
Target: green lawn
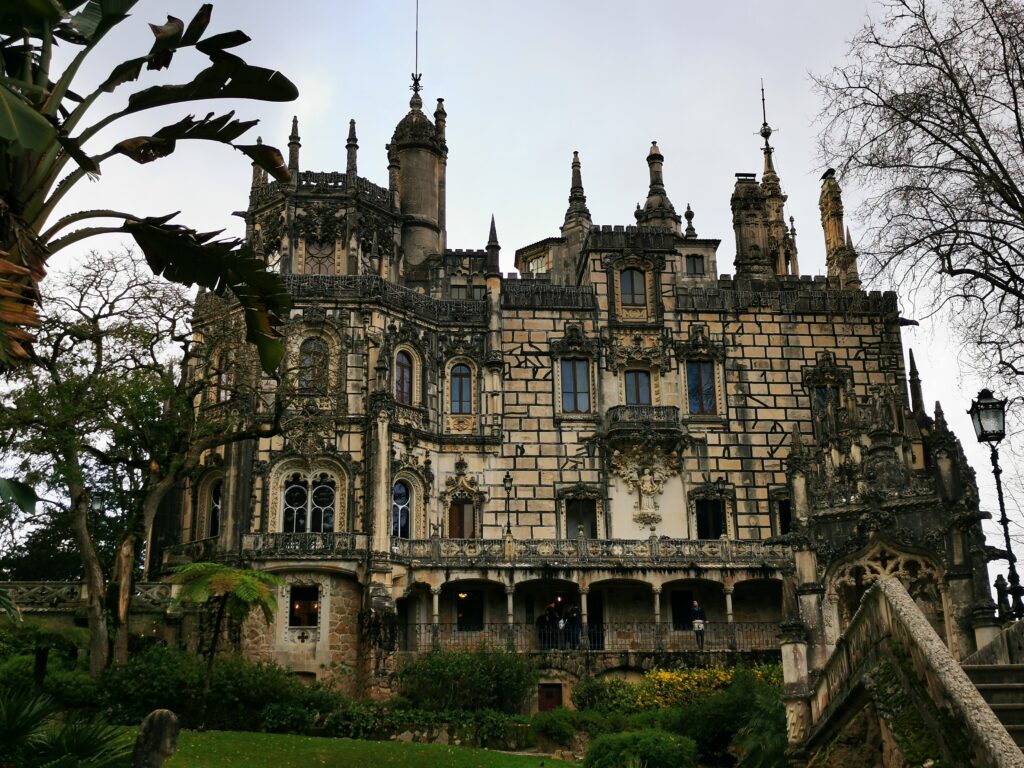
218, 749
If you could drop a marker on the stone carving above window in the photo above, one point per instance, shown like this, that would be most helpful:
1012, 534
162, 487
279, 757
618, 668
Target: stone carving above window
574, 343
650, 348
318, 223
700, 345
645, 471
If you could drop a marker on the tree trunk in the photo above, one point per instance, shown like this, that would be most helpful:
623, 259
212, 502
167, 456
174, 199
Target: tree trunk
209, 662
150, 506
95, 583
124, 575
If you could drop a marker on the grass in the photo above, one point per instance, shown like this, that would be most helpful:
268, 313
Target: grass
223, 749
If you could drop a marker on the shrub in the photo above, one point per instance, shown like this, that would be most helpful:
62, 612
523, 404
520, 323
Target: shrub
650, 748
470, 680
16, 673
557, 725
159, 678
285, 717
353, 720
73, 688
610, 695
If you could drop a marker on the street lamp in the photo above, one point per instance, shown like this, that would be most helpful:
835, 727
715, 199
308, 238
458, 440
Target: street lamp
989, 417
507, 482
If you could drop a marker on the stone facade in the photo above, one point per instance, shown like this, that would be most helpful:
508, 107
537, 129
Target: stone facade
614, 432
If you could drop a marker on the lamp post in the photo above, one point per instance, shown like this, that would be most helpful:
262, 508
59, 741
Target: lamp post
507, 482
988, 415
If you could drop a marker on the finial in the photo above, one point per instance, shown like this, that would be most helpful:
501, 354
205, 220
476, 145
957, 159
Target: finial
259, 139
295, 128
849, 240
766, 130
792, 226
352, 131
916, 397
577, 199
654, 150
492, 238
293, 147
690, 231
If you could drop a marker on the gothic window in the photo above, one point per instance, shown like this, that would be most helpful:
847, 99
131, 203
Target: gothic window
700, 387
633, 288
309, 507
581, 519
213, 510
223, 377
694, 264
469, 610
575, 385
401, 510
461, 520
461, 392
313, 365
638, 388
710, 518
826, 396
783, 510
403, 378
319, 258
303, 606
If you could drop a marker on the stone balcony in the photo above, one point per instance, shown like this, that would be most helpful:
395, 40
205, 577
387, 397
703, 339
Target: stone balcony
626, 423
305, 546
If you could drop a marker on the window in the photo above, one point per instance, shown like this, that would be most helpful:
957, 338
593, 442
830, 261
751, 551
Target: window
309, 509
638, 388
223, 377
710, 518
469, 610
575, 386
581, 519
216, 491
634, 291
320, 258
461, 381
479, 292
826, 396
458, 292
694, 264
403, 378
700, 387
784, 513
303, 606
461, 520
313, 365
401, 508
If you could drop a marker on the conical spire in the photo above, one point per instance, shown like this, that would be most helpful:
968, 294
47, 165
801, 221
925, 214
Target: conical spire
493, 249
492, 237
916, 397
259, 176
351, 147
577, 209
658, 210
293, 146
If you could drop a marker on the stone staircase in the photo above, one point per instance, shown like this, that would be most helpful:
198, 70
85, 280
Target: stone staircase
1002, 687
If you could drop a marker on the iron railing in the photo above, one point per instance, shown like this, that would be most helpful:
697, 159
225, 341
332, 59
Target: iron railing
614, 636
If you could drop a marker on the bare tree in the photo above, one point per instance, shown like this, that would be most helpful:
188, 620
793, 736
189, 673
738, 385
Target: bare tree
122, 404
926, 116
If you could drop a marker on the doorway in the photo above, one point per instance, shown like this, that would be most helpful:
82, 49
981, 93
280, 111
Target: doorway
549, 696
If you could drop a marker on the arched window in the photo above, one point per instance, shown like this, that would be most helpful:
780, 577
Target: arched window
223, 377
634, 290
461, 381
309, 507
313, 365
214, 506
403, 378
401, 511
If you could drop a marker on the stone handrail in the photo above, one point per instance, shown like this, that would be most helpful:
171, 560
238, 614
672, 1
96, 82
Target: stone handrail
42, 595
197, 549
275, 546
887, 614
645, 416
594, 552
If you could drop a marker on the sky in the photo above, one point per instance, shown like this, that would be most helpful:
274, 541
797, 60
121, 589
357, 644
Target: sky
525, 83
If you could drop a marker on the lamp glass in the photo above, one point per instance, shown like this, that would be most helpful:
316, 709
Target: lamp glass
507, 481
988, 415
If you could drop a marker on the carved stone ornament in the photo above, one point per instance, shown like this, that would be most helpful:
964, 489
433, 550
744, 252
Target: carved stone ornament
700, 345
645, 471
305, 429
574, 343
650, 348
318, 223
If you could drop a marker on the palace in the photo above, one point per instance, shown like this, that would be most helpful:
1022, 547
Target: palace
562, 461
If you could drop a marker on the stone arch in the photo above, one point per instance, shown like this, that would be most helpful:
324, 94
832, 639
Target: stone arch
209, 503
418, 375
462, 422
333, 339
847, 580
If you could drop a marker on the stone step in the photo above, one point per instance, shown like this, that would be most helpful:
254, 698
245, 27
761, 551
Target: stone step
1009, 714
1002, 693
983, 674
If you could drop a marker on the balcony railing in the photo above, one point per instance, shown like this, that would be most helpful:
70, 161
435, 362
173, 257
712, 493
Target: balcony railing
193, 551
616, 552
627, 636
44, 595
634, 416
283, 546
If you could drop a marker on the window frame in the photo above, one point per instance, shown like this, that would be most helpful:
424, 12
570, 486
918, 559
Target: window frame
311, 483
573, 390
633, 375
396, 509
698, 382
316, 369
295, 612
463, 404
405, 378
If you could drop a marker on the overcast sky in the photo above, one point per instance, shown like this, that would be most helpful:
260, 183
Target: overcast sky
525, 83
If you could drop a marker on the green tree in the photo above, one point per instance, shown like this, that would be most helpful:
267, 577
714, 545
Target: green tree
8, 607
233, 593
46, 134
122, 405
926, 114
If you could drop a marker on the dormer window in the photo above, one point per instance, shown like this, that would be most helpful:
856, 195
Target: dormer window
694, 264
632, 284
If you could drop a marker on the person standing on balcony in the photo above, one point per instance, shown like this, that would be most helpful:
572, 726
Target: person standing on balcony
698, 618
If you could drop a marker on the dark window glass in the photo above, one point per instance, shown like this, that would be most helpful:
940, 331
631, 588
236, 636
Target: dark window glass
313, 365
215, 503
694, 264
710, 518
634, 291
479, 292
581, 518
403, 378
784, 510
309, 510
462, 399
401, 511
461, 520
469, 610
575, 386
638, 388
321, 505
458, 292
825, 397
319, 258
700, 386
296, 496
303, 606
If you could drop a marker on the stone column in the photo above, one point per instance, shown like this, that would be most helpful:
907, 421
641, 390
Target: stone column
510, 615
657, 618
382, 495
793, 645
728, 604
584, 632
435, 618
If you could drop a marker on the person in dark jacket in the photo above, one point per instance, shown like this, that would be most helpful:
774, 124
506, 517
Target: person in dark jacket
698, 618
